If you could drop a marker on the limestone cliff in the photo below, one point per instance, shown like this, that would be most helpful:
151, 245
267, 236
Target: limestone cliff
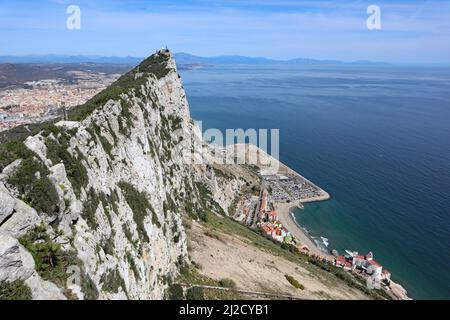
91, 207
101, 205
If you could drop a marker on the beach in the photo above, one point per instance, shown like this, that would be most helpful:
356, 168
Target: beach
285, 216
266, 162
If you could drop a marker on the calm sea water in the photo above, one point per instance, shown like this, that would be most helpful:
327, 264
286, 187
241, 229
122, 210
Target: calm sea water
376, 138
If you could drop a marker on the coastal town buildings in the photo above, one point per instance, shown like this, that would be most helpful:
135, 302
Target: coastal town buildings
366, 264
276, 230
259, 212
42, 100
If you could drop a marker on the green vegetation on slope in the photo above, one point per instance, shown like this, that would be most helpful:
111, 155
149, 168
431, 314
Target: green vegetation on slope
156, 65
190, 276
54, 264
139, 204
57, 152
36, 189
294, 282
11, 151
16, 290
89, 209
89, 288
51, 261
31, 179
112, 281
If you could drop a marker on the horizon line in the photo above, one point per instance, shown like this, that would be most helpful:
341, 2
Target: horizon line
99, 56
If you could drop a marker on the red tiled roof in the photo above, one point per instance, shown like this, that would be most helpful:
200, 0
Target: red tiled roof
374, 263
304, 247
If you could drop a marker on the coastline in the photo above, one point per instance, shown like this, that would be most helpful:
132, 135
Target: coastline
268, 163
285, 210
285, 215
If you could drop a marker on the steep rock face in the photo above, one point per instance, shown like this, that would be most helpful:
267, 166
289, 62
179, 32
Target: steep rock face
107, 191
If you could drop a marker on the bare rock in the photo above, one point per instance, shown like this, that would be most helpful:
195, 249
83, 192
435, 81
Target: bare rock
37, 145
15, 262
23, 219
6, 203
44, 290
68, 124
10, 169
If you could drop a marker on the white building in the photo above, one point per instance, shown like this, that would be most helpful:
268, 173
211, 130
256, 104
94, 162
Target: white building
367, 263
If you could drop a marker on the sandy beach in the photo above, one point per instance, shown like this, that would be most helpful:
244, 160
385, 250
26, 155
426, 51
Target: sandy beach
284, 215
266, 162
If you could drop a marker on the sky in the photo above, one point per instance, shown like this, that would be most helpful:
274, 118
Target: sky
411, 31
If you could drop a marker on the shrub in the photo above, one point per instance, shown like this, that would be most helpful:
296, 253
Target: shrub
195, 293
294, 282
111, 281
20, 133
39, 193
11, 151
88, 288
89, 209
113, 199
227, 283
139, 204
133, 266
127, 232
108, 245
16, 290
155, 220
57, 151
51, 262
222, 174
175, 292
106, 207
103, 141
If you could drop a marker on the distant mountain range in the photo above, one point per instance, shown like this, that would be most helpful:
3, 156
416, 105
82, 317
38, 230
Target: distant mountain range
186, 58
16, 74
181, 58
46, 59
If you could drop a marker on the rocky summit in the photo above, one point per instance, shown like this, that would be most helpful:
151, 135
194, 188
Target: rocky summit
104, 204
91, 207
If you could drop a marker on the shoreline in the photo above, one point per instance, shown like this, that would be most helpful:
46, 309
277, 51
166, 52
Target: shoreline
267, 162
285, 216
286, 210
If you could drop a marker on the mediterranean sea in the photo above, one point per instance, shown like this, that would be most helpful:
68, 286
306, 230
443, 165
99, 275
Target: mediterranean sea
377, 138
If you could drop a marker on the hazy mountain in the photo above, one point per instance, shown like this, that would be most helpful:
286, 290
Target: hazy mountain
68, 59
182, 58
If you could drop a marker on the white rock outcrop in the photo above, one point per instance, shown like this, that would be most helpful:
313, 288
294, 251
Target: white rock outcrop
15, 262
121, 215
6, 203
23, 220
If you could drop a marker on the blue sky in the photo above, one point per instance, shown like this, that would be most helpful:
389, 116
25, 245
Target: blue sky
412, 31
